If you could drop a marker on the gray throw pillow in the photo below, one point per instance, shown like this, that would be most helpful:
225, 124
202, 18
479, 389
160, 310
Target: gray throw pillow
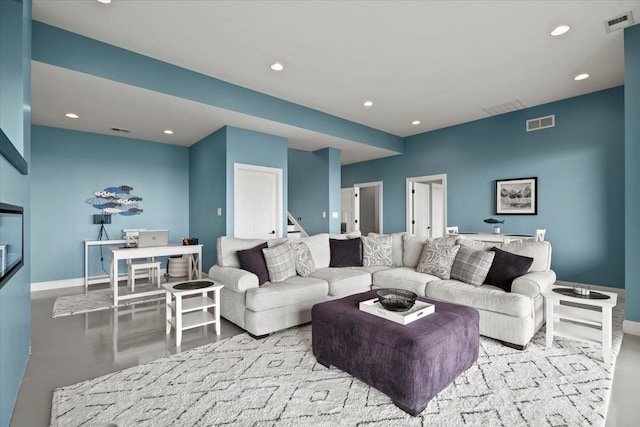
377, 251
437, 258
303, 259
280, 262
471, 266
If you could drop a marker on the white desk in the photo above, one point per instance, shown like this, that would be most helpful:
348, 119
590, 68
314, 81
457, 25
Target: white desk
96, 279
496, 238
117, 254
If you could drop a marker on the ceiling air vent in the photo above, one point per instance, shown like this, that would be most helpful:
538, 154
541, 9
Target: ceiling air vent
618, 22
504, 108
120, 130
541, 123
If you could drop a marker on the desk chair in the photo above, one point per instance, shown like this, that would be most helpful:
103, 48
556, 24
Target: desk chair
452, 230
152, 267
540, 234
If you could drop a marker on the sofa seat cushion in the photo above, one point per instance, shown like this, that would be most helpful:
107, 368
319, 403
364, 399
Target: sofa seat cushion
403, 278
371, 269
485, 297
344, 281
294, 290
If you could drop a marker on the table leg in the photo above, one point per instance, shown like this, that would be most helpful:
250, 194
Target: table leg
168, 310
86, 267
216, 296
178, 320
114, 280
606, 334
548, 308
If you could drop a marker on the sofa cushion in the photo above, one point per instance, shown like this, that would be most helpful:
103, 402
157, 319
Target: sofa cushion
253, 260
344, 281
437, 258
506, 267
280, 262
319, 246
229, 246
471, 266
403, 278
377, 250
303, 259
346, 252
476, 244
539, 251
412, 246
294, 290
485, 297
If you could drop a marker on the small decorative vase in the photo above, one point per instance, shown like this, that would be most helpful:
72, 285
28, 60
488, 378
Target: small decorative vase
496, 230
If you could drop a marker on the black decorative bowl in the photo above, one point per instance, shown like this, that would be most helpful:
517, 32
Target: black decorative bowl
396, 299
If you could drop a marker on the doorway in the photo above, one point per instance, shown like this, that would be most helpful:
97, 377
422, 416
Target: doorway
257, 202
361, 208
427, 205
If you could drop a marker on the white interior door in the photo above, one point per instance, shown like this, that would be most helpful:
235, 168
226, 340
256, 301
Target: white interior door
257, 202
347, 209
421, 209
437, 210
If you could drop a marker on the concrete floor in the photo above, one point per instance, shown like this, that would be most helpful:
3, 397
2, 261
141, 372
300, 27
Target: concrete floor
71, 349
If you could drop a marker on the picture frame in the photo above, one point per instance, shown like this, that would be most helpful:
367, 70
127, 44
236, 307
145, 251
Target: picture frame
518, 196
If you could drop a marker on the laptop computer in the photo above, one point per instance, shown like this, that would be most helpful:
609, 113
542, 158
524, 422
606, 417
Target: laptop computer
150, 238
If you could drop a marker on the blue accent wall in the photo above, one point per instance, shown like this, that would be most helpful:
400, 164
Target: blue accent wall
68, 166
632, 170
314, 187
207, 193
65, 49
15, 121
579, 165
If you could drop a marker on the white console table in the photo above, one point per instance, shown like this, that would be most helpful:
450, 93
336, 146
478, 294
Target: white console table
90, 280
496, 238
117, 254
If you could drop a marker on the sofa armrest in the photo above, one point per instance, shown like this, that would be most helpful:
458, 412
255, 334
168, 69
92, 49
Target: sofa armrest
534, 283
234, 279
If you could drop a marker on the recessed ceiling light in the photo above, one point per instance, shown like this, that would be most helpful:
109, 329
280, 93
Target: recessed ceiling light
72, 115
168, 132
276, 66
560, 29
415, 122
581, 76
368, 103
104, 1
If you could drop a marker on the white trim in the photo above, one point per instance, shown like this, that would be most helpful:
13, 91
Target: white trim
631, 327
409, 200
279, 196
380, 201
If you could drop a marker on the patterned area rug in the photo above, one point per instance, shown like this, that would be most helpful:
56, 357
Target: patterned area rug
97, 300
276, 381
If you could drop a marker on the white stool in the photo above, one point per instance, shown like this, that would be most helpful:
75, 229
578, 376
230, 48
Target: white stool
153, 268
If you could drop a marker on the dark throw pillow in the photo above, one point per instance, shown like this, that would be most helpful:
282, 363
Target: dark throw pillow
253, 261
506, 267
346, 252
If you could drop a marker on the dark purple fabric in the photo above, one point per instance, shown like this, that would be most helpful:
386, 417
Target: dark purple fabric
253, 260
506, 266
409, 363
346, 252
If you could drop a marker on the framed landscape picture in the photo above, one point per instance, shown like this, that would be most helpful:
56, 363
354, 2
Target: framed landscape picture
517, 196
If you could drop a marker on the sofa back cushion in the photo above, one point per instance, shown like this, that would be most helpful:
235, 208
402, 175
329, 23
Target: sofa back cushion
228, 246
412, 247
319, 247
539, 251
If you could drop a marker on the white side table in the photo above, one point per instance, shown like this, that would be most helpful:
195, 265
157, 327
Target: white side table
582, 319
192, 312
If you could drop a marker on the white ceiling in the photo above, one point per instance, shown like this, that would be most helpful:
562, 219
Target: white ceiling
440, 62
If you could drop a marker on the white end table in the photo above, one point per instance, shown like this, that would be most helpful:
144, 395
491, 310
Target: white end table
192, 312
581, 319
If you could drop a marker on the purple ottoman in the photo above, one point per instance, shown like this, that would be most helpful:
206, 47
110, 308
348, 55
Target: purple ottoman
409, 363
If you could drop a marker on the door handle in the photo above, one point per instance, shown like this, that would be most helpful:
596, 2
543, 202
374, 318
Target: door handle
273, 232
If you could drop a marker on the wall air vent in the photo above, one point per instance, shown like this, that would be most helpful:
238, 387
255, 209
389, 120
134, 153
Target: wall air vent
120, 130
618, 22
541, 123
504, 108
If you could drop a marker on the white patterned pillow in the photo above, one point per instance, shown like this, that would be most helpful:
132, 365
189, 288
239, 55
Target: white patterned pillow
471, 266
303, 259
280, 262
377, 251
437, 258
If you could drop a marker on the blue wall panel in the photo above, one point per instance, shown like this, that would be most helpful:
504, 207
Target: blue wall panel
207, 193
308, 190
580, 178
68, 166
632, 170
15, 121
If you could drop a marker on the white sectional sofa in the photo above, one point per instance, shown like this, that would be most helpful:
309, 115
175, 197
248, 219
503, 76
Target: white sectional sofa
512, 317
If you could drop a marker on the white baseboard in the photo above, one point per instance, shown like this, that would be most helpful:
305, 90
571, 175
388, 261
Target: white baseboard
631, 327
